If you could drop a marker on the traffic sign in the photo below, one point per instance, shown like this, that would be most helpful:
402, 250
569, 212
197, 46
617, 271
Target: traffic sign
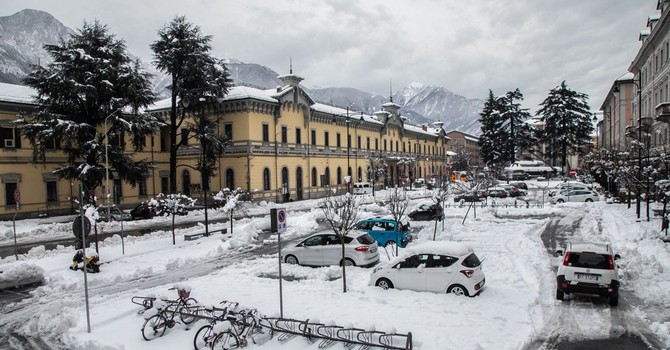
278, 220
77, 227
17, 195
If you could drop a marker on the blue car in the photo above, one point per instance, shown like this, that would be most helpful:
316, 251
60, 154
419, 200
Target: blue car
384, 231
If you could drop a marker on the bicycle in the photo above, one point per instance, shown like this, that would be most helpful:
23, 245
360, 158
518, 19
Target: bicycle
247, 323
205, 335
156, 325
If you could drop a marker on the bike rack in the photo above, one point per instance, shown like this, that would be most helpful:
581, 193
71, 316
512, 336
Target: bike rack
146, 302
329, 334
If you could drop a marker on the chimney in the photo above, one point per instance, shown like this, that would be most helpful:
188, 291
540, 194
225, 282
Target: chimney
424, 127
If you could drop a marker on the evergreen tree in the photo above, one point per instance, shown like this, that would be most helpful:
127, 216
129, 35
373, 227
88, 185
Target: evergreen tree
491, 137
199, 81
91, 79
567, 121
515, 131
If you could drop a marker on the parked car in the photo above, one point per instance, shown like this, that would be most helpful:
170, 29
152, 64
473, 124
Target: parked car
384, 231
115, 214
588, 269
362, 188
520, 185
572, 185
575, 196
325, 249
496, 192
468, 197
440, 267
143, 211
427, 212
513, 191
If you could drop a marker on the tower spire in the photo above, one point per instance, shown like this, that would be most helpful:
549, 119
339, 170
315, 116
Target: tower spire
390, 89
290, 65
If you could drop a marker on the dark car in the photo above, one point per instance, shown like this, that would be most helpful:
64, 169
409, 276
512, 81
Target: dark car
143, 211
521, 185
427, 212
467, 197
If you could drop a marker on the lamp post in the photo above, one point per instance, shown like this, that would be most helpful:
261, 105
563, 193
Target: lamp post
348, 122
107, 162
638, 85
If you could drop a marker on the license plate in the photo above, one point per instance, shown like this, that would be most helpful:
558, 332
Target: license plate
587, 277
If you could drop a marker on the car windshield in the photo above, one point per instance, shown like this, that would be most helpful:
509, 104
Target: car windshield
588, 260
471, 261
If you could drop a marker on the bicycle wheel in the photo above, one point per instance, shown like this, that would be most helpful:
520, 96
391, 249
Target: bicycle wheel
203, 338
154, 327
225, 341
188, 311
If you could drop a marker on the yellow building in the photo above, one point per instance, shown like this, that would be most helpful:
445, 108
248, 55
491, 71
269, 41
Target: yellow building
285, 146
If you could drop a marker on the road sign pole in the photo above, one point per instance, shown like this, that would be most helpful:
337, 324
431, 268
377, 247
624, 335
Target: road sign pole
83, 247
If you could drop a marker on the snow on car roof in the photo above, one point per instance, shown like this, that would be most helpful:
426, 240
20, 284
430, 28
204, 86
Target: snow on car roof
434, 247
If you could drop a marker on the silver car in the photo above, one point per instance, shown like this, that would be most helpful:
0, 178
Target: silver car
325, 249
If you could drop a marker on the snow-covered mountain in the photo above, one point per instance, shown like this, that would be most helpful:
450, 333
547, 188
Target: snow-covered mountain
23, 34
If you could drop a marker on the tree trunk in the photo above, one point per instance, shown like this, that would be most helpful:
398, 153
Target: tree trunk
173, 145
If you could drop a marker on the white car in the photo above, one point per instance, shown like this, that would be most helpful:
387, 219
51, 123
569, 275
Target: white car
325, 249
441, 267
588, 269
575, 196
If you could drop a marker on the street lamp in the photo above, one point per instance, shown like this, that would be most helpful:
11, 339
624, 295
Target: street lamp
638, 85
107, 162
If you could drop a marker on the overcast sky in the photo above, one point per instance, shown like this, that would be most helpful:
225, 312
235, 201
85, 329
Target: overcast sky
466, 46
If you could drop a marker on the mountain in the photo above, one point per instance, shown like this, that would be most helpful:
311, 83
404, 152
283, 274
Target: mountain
22, 36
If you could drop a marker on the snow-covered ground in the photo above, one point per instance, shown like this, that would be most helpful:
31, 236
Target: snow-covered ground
516, 308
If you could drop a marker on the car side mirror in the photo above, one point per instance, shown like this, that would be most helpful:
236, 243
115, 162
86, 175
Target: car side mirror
559, 252
617, 256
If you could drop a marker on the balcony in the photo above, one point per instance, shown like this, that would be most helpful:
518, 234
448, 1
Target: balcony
663, 112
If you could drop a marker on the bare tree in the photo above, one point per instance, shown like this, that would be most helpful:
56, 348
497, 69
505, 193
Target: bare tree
397, 202
378, 168
439, 197
231, 200
174, 204
342, 214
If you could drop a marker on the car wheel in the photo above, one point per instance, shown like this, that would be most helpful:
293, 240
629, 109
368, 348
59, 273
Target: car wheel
559, 201
614, 300
384, 283
559, 295
457, 289
348, 262
291, 260
589, 200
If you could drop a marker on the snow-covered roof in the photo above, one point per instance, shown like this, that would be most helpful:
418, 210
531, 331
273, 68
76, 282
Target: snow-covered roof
451, 153
428, 131
342, 112
244, 92
470, 138
627, 76
16, 93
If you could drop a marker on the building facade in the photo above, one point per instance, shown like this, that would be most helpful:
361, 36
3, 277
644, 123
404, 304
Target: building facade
284, 147
470, 143
617, 113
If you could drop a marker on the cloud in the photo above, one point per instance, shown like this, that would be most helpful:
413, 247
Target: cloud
467, 46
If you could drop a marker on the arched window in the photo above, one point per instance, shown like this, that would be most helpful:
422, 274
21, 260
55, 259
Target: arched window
326, 177
266, 179
314, 177
360, 174
339, 175
230, 179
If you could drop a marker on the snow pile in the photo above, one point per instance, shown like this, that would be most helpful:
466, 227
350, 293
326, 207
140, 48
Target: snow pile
12, 273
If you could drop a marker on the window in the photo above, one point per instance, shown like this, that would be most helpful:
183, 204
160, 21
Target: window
396, 147
184, 137
10, 187
52, 191
142, 187
298, 137
384, 145
266, 179
10, 138
230, 179
339, 175
367, 140
414, 261
337, 140
359, 143
314, 177
266, 133
313, 138
325, 180
326, 142
228, 130
442, 261
376, 144
284, 134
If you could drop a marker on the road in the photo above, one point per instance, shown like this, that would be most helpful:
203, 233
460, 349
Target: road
568, 325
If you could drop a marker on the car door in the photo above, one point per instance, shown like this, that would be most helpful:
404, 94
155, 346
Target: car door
439, 272
312, 251
331, 250
409, 274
